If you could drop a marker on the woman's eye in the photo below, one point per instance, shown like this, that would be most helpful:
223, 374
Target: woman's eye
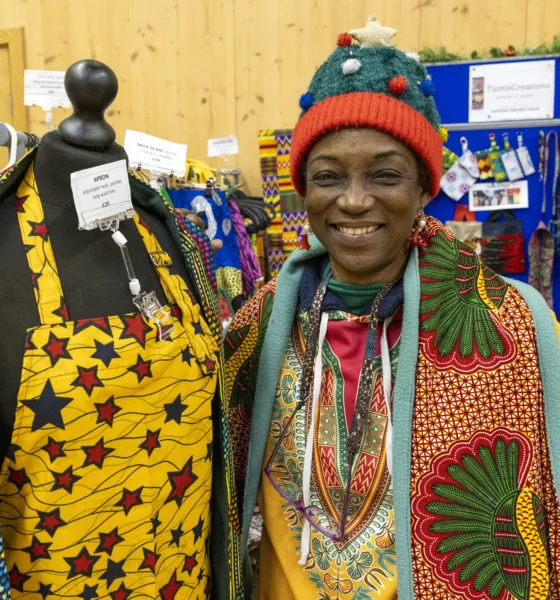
325, 177
386, 176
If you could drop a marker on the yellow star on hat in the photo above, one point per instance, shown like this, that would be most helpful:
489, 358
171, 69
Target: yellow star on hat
373, 34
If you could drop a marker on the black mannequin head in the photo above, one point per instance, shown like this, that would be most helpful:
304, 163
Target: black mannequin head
91, 87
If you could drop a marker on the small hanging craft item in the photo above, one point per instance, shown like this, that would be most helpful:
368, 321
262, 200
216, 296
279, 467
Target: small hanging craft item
510, 161
524, 156
462, 175
465, 227
484, 166
502, 243
449, 158
541, 244
495, 159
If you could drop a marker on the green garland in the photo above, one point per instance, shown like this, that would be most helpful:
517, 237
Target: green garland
431, 55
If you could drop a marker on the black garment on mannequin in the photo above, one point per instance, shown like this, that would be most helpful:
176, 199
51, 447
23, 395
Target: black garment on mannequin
90, 265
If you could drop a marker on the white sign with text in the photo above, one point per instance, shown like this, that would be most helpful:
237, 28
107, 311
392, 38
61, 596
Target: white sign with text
223, 146
514, 91
45, 89
101, 193
155, 154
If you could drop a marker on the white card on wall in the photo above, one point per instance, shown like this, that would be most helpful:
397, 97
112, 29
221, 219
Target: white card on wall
514, 91
45, 89
506, 195
223, 146
155, 154
101, 193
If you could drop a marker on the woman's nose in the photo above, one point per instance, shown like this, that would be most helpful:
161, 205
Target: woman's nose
355, 199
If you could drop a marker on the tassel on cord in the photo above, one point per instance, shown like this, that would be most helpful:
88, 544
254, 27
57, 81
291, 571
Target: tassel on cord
308, 460
387, 389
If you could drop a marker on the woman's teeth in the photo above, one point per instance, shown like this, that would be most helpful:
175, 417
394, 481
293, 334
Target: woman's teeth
358, 230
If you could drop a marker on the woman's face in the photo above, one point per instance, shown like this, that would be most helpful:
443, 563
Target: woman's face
363, 193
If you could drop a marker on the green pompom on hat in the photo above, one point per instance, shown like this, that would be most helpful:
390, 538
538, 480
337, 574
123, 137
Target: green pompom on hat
370, 85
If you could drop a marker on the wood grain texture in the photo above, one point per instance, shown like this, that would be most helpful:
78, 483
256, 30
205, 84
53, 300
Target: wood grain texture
194, 69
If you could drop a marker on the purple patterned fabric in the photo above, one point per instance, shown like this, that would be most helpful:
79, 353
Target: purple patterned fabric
250, 269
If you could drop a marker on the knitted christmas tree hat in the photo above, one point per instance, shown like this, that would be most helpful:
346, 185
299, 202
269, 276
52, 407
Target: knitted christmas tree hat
370, 85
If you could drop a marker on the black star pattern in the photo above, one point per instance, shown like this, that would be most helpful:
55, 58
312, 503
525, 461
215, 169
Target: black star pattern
82, 564
28, 248
209, 451
135, 328
56, 348
155, 524
11, 452
96, 455
39, 230
130, 499
107, 541
54, 449
89, 593
198, 328
29, 345
105, 352
18, 477
35, 280
47, 408
106, 411
187, 355
121, 594
20, 201
151, 442
176, 535
181, 481
62, 311
100, 323
37, 549
197, 530
142, 368
190, 564
64, 480
114, 571
50, 521
150, 560
200, 575
17, 578
87, 379
174, 410
45, 590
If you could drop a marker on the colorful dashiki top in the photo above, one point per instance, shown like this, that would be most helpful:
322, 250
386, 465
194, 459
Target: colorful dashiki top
363, 566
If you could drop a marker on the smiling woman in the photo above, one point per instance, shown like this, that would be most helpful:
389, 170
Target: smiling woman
387, 392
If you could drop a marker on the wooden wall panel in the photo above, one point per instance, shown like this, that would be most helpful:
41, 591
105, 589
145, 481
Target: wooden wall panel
194, 69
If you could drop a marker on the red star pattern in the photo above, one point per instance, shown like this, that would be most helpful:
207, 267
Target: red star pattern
100, 323
50, 521
38, 549
18, 477
87, 379
135, 327
65, 480
108, 541
56, 348
17, 578
150, 560
106, 411
190, 564
151, 442
39, 230
54, 449
96, 455
142, 368
181, 481
169, 591
121, 594
130, 499
451, 406
82, 564
20, 201
62, 310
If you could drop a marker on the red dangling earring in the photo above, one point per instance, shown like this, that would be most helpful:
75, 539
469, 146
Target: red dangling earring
417, 236
303, 242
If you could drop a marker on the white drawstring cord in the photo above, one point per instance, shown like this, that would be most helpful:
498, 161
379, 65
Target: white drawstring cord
387, 388
308, 460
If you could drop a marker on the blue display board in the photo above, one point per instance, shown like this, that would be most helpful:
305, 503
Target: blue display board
451, 83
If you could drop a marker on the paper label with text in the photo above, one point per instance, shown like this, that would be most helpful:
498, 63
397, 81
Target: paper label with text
155, 154
223, 146
101, 193
45, 88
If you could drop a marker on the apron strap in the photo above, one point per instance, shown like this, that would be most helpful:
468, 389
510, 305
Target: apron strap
42, 264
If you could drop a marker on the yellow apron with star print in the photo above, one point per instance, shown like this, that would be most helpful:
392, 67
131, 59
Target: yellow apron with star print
105, 492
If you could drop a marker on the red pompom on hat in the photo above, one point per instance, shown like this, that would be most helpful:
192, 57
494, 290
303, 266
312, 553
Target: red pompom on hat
344, 39
398, 85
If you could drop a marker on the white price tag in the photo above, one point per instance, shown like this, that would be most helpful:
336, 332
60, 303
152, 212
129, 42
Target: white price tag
223, 146
45, 89
101, 193
155, 154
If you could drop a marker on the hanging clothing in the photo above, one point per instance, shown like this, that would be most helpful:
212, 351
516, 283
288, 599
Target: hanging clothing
219, 227
475, 444
107, 484
250, 269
